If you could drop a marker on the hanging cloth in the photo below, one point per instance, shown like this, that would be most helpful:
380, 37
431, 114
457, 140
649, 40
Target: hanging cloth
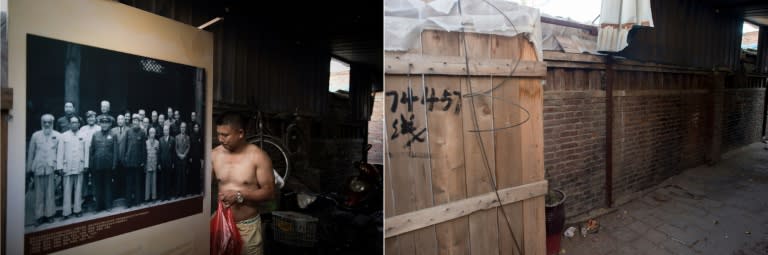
617, 17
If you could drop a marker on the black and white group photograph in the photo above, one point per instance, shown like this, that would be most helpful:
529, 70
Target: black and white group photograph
108, 133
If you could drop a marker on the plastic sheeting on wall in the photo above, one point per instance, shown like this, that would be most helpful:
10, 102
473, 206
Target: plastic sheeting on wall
617, 17
581, 38
405, 19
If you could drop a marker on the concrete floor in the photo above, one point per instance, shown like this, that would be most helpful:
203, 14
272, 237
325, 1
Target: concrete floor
720, 209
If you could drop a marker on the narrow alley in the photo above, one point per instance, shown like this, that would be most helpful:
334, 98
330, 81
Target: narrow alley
720, 209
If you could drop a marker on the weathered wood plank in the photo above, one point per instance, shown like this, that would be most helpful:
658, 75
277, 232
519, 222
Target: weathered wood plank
442, 98
6, 98
397, 63
390, 244
507, 141
409, 161
532, 141
570, 57
575, 65
404, 223
483, 230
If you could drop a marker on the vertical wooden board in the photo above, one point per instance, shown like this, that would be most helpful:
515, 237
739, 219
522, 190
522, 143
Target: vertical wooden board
503, 47
440, 43
442, 100
533, 164
594, 80
478, 46
409, 161
483, 229
532, 137
580, 79
507, 143
447, 157
390, 245
532, 141
534, 226
618, 83
426, 238
483, 225
652, 80
641, 79
397, 167
559, 79
550, 79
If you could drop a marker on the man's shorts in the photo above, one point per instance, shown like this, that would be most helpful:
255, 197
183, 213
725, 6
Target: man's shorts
250, 232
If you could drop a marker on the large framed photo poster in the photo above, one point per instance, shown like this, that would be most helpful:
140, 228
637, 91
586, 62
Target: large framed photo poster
115, 143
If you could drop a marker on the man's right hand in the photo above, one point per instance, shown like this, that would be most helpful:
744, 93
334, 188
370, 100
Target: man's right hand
30, 181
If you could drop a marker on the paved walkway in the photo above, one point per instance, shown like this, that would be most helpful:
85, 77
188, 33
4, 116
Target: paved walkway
721, 209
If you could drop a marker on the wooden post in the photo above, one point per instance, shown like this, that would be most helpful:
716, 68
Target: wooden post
610, 75
6, 101
718, 89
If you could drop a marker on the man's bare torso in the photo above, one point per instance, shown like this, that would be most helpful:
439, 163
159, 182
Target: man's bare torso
236, 171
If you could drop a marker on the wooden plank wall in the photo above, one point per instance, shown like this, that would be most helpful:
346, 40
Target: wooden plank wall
265, 70
432, 159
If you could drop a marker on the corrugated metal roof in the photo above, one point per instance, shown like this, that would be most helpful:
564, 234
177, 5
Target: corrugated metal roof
688, 33
755, 11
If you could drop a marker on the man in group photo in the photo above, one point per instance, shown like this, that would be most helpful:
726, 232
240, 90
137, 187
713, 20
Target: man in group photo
117, 163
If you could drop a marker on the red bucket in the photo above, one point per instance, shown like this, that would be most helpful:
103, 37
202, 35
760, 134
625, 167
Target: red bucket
555, 219
553, 244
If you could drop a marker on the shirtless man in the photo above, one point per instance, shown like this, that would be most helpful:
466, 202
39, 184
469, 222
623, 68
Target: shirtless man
245, 179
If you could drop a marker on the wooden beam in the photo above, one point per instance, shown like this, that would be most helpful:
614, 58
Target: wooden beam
399, 63
575, 65
411, 221
573, 57
591, 29
556, 59
6, 98
658, 68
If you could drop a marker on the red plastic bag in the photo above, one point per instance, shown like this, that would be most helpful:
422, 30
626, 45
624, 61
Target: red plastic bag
225, 238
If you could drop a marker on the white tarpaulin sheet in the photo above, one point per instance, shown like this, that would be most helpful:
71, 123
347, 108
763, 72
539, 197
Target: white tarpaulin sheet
405, 19
617, 17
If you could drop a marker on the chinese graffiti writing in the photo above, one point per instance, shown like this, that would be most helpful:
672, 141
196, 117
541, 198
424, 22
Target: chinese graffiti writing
406, 126
408, 98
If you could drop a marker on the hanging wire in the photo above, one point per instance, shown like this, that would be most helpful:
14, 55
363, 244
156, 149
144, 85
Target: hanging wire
475, 123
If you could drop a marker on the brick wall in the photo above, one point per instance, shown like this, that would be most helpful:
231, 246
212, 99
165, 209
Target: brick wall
574, 137
661, 125
742, 116
376, 130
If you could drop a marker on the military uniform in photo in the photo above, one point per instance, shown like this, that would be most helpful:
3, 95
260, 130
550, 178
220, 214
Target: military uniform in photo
182, 156
118, 133
103, 162
166, 154
135, 157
